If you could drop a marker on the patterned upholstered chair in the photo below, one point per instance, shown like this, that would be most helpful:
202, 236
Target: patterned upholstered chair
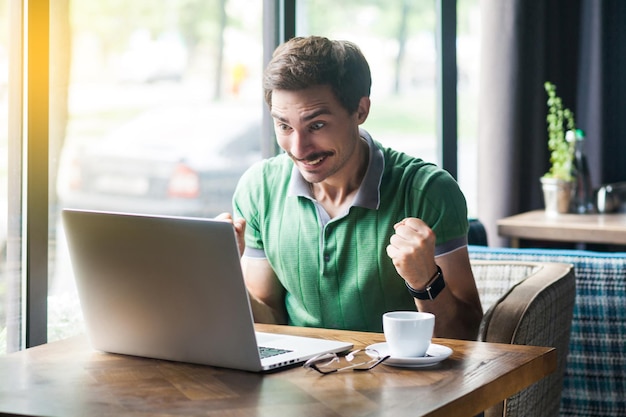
595, 377
528, 303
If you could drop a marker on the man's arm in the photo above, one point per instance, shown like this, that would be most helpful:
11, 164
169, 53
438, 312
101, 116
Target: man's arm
267, 295
457, 307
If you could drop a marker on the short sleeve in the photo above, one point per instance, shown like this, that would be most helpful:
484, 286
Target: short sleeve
248, 195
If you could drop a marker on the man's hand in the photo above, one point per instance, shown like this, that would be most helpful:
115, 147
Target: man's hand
240, 228
412, 250
457, 307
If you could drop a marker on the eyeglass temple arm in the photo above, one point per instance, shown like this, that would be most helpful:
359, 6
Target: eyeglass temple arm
378, 362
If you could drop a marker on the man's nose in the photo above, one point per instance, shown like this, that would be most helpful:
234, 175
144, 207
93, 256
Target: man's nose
300, 144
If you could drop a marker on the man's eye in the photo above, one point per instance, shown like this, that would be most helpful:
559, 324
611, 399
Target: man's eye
283, 127
317, 125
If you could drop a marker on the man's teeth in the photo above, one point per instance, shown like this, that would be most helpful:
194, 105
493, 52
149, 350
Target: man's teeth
315, 161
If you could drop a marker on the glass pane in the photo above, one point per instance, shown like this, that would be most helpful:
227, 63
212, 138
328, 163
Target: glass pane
468, 62
163, 115
398, 39
4, 161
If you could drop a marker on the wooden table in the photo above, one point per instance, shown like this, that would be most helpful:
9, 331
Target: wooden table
68, 378
575, 228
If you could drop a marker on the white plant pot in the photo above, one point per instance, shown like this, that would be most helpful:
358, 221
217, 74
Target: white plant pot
557, 195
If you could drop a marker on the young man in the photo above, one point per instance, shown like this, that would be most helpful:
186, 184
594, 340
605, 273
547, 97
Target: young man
339, 229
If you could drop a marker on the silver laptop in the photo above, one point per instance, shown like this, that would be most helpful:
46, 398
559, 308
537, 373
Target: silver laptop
172, 288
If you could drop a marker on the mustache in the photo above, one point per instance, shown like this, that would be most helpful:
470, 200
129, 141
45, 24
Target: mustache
311, 157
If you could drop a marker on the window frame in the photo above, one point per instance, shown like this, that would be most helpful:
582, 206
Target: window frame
36, 171
27, 240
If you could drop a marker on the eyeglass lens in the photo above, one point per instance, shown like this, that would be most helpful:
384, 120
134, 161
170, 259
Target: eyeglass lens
358, 360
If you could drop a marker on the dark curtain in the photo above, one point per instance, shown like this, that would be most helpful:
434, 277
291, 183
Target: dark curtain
612, 89
579, 46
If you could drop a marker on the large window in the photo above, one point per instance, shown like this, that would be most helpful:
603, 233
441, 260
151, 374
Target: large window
398, 37
468, 67
156, 107
163, 115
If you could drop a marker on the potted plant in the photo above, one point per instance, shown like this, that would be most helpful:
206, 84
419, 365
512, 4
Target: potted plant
558, 182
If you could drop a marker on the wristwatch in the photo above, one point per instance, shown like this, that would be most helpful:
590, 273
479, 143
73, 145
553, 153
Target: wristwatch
434, 287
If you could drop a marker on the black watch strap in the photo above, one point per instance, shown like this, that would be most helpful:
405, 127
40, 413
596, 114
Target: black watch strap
433, 288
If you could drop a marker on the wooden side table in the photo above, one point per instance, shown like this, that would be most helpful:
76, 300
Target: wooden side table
574, 228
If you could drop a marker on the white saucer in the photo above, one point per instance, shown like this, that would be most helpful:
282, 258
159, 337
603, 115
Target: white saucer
434, 355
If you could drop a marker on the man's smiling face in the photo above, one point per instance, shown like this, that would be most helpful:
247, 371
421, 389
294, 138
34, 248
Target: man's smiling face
312, 127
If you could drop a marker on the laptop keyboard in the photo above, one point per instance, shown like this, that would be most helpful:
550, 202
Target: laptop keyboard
267, 352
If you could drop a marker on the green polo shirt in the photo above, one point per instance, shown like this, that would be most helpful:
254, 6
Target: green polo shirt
336, 272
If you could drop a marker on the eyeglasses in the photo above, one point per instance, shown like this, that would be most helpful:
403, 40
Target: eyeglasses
358, 360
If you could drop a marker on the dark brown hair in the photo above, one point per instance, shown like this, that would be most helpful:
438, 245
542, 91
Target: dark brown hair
306, 62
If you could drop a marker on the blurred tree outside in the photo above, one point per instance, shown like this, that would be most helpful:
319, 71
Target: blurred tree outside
111, 26
398, 39
395, 21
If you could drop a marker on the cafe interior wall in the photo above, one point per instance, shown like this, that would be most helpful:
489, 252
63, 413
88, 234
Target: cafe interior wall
579, 45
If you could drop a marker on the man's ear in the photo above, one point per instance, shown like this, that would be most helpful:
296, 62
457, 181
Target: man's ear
363, 110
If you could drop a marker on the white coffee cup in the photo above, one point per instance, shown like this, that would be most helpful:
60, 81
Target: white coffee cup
408, 333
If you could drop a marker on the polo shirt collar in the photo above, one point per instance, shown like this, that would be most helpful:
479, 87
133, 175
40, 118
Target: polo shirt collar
368, 195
